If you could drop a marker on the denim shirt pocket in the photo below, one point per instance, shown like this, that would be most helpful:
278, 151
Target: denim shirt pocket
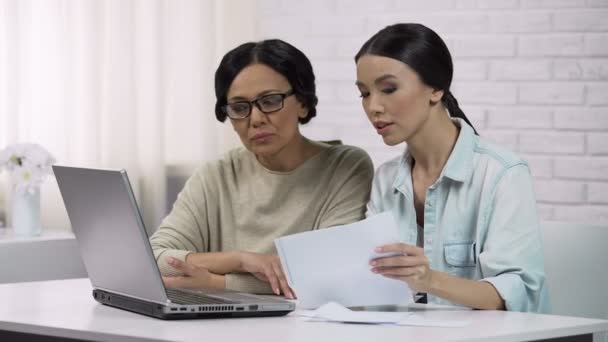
460, 253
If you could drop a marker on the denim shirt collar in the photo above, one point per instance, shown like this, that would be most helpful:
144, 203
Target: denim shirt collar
459, 166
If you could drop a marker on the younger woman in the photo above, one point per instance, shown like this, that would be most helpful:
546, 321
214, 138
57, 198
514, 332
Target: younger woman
465, 206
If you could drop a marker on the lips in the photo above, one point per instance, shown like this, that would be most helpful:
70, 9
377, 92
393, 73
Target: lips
382, 127
382, 124
261, 136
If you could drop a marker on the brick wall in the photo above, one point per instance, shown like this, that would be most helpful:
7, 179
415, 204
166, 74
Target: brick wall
530, 74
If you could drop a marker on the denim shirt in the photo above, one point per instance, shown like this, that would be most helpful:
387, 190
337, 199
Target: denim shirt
480, 220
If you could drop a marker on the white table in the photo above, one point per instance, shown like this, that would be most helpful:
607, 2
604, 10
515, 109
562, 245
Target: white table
66, 309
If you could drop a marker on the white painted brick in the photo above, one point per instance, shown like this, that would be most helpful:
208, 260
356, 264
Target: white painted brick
315, 48
483, 46
597, 93
518, 22
326, 91
442, 23
597, 143
347, 92
475, 93
485, 4
552, 142
470, 70
519, 117
360, 6
266, 7
276, 26
587, 168
552, 3
498, 4
551, 45
499, 55
475, 114
348, 47
540, 166
335, 71
596, 44
351, 114
597, 193
559, 191
520, 70
581, 69
581, 118
551, 93
299, 7
323, 25
597, 3
416, 5
595, 215
581, 21
545, 212
508, 139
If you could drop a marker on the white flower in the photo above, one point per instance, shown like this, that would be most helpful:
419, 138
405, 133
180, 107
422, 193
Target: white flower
28, 164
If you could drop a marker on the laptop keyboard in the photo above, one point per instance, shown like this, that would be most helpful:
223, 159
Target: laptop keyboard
189, 298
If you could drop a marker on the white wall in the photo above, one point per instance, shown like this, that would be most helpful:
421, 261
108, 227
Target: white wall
530, 74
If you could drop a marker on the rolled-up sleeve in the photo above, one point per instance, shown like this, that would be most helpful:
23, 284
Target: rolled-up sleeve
512, 255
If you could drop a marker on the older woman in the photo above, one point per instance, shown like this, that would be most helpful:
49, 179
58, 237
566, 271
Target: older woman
220, 232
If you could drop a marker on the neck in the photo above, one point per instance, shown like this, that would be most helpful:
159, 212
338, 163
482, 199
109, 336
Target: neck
292, 155
432, 145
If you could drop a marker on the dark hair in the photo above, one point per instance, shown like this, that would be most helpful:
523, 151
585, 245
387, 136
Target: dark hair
282, 57
422, 50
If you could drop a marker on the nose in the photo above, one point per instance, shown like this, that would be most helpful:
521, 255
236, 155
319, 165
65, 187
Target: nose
374, 105
257, 117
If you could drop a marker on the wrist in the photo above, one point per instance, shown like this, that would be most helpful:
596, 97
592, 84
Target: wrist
218, 281
434, 284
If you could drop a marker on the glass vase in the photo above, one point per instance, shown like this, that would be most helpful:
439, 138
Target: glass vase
25, 215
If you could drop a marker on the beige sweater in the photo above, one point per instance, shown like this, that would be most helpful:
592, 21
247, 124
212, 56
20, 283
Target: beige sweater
235, 204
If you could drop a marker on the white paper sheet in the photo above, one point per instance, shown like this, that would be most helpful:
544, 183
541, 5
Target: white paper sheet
333, 312
332, 264
337, 313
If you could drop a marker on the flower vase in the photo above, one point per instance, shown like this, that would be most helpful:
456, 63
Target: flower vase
25, 216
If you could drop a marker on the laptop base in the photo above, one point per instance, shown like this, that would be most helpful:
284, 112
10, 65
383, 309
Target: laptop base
156, 310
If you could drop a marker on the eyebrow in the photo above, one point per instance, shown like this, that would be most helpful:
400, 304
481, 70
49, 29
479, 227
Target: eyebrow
243, 98
377, 80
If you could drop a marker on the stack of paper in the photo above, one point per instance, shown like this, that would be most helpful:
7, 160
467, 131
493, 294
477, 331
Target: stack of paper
332, 264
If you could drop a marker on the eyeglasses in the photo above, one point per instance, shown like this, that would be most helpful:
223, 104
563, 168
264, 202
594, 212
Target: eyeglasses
266, 104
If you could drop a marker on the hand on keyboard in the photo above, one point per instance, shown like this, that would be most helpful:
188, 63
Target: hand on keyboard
266, 268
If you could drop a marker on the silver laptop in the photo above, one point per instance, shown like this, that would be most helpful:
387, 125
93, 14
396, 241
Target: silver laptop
118, 257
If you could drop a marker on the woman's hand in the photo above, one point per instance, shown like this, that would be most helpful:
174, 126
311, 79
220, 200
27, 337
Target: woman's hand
410, 265
266, 268
194, 277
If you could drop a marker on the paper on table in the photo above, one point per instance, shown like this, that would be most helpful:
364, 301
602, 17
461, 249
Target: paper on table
332, 264
333, 312
337, 313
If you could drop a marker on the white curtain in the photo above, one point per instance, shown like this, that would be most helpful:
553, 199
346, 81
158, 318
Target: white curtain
117, 84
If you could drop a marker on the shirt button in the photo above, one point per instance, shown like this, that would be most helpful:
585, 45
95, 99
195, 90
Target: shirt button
429, 241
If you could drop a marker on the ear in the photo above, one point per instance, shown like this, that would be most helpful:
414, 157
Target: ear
303, 112
436, 95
